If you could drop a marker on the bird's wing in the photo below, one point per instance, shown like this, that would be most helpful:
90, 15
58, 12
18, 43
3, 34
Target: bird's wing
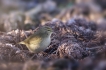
33, 41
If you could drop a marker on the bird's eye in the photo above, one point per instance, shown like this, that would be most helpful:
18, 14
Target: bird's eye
49, 29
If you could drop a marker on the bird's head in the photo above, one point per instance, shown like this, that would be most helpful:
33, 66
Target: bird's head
45, 30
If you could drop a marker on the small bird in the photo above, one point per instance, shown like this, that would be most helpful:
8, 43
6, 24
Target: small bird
39, 41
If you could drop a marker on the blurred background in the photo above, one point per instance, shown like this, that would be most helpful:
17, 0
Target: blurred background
79, 41
28, 14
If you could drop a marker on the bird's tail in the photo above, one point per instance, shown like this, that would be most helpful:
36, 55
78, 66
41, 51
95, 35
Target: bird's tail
21, 42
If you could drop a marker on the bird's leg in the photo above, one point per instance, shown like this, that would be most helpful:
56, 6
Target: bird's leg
33, 56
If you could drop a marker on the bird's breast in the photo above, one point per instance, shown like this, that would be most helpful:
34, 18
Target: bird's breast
45, 43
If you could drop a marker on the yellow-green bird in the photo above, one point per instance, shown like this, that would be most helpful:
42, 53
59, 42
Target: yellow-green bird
39, 41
